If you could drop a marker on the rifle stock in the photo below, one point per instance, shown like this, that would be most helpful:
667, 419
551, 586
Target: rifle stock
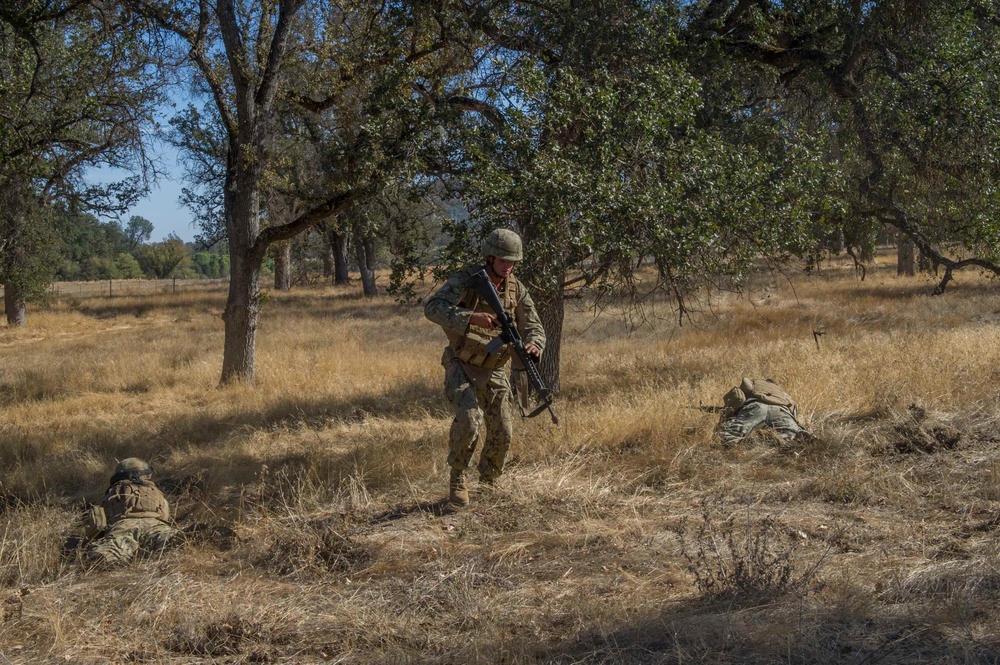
481, 282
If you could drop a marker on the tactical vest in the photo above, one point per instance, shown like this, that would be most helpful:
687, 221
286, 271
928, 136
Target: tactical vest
471, 347
128, 499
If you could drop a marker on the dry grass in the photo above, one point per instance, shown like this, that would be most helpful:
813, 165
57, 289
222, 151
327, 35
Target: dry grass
317, 531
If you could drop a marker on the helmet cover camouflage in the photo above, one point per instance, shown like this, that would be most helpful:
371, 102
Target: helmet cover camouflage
133, 465
503, 244
734, 399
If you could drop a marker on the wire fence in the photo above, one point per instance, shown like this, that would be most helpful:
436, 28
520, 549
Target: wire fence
112, 288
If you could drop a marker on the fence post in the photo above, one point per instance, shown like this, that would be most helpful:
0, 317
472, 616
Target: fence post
175, 284
109, 288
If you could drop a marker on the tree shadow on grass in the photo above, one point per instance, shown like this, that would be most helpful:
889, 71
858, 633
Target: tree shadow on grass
789, 630
211, 433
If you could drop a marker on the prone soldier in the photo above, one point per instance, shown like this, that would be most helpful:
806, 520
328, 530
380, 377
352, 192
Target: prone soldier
132, 516
756, 404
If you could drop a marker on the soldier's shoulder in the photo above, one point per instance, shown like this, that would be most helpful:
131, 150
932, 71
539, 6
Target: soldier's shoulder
462, 275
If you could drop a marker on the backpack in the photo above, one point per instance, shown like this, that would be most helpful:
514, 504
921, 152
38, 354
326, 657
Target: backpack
768, 392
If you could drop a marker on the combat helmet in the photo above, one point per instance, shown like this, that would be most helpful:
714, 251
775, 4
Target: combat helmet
503, 244
131, 468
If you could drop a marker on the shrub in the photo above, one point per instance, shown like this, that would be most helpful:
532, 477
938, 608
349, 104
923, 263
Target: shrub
745, 557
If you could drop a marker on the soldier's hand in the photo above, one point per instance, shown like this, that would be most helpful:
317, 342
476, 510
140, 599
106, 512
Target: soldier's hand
533, 351
483, 320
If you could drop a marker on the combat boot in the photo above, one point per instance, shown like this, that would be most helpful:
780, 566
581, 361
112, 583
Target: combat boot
458, 493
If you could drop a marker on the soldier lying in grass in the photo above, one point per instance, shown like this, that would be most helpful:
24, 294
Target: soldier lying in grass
133, 516
757, 404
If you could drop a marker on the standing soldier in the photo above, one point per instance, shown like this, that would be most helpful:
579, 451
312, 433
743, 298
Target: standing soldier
476, 382
133, 515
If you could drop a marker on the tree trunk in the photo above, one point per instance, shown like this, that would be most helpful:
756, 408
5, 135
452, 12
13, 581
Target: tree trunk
13, 303
283, 266
365, 255
242, 205
338, 248
905, 256
329, 259
342, 270
926, 263
552, 311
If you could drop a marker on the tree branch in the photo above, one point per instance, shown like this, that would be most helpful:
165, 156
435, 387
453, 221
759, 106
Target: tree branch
463, 103
333, 206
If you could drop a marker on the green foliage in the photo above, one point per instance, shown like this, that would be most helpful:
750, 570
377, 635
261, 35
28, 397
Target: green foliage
137, 231
160, 259
75, 91
200, 137
99, 268
906, 94
212, 265
89, 248
27, 242
615, 154
127, 267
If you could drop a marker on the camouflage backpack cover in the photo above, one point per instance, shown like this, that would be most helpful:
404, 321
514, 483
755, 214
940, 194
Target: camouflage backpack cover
768, 392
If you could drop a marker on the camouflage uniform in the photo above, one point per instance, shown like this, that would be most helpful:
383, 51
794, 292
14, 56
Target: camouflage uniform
755, 404
755, 415
478, 387
138, 517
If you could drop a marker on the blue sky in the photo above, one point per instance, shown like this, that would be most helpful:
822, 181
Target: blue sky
161, 206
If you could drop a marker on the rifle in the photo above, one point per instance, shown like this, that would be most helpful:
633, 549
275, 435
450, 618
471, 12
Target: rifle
481, 282
708, 408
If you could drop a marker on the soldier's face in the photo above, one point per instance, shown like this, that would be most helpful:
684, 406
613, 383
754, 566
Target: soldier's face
502, 267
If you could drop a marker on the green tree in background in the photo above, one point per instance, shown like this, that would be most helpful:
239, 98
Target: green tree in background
128, 267
592, 141
138, 231
211, 264
76, 90
338, 61
159, 259
82, 239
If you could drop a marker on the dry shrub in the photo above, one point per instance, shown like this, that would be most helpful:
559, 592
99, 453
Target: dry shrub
745, 557
916, 432
976, 579
227, 636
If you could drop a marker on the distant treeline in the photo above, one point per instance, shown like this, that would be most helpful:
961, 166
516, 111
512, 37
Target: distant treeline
92, 249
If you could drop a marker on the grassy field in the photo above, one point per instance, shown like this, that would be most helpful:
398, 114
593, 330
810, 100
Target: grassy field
313, 502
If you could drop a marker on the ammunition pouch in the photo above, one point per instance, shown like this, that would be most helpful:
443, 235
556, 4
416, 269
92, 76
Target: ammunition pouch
473, 349
95, 522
